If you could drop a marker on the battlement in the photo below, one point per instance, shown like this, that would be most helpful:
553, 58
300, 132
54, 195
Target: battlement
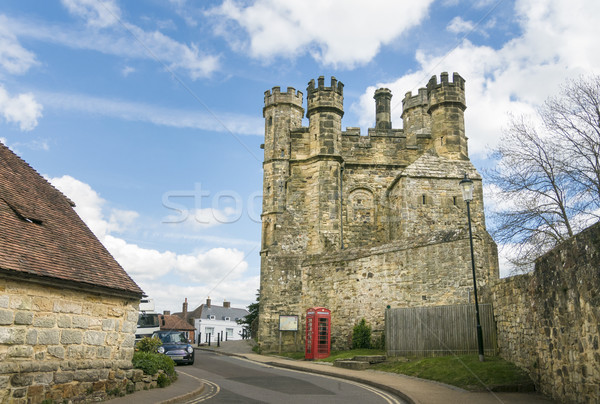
412, 101
325, 99
336, 86
457, 81
446, 92
275, 96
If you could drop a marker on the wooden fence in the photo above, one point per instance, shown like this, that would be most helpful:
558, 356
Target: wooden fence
438, 330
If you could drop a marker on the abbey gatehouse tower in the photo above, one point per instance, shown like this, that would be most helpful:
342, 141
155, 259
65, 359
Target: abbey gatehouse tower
356, 222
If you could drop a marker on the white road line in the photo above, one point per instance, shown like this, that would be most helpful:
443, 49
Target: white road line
212, 390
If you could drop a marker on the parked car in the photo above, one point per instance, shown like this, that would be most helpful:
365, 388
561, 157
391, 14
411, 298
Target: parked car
176, 345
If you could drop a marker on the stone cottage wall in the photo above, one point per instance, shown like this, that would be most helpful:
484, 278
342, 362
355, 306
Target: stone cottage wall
548, 321
63, 344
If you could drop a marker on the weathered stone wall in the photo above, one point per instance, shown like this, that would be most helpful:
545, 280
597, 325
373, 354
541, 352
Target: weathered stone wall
62, 344
548, 321
360, 282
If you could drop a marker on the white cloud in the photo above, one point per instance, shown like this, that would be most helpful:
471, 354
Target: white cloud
132, 111
216, 269
22, 109
459, 26
127, 70
97, 13
14, 59
515, 78
334, 35
239, 293
105, 34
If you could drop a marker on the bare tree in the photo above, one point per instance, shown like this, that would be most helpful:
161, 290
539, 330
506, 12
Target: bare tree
574, 118
548, 181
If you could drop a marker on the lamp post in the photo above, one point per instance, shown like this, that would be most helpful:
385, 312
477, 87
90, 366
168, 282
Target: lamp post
466, 186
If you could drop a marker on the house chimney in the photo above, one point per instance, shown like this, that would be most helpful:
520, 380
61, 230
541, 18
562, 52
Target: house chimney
185, 307
208, 302
226, 304
167, 312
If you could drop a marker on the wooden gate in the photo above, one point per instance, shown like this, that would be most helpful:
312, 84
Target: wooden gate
438, 330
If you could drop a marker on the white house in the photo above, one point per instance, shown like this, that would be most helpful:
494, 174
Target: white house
217, 321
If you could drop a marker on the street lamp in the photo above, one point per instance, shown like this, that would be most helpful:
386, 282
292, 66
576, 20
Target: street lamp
466, 185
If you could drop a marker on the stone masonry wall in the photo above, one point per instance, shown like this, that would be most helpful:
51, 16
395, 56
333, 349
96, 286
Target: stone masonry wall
360, 282
63, 344
548, 321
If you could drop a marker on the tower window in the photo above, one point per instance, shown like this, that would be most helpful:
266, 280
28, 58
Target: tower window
424, 198
282, 153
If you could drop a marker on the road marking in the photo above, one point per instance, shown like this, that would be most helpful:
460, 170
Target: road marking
389, 398
211, 389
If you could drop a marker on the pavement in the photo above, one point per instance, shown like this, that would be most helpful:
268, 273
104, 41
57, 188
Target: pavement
411, 389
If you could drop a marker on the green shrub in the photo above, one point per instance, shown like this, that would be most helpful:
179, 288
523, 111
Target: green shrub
361, 335
163, 380
379, 342
151, 362
148, 344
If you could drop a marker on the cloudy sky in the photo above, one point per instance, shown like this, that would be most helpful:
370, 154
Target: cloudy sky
148, 114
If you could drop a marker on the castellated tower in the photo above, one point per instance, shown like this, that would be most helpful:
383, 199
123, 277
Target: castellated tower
416, 121
283, 112
446, 106
353, 222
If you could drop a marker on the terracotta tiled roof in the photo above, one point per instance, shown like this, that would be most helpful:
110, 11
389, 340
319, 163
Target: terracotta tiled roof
174, 323
42, 236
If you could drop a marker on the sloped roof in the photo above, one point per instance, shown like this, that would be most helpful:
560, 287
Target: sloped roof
430, 164
203, 312
174, 323
42, 237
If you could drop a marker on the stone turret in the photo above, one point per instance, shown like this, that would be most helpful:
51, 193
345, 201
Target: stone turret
415, 119
283, 113
383, 111
325, 109
446, 106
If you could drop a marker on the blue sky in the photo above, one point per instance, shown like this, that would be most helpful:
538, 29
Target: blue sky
148, 114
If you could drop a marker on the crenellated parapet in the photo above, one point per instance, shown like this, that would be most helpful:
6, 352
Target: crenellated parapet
446, 92
276, 97
414, 101
325, 99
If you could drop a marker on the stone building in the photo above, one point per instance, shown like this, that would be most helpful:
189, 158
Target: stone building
68, 311
355, 223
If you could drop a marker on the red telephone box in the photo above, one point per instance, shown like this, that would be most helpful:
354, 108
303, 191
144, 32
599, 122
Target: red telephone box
318, 333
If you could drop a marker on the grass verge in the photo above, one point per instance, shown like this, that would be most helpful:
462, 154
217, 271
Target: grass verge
335, 354
464, 371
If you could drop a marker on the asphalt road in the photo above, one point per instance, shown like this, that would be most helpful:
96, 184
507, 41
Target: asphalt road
235, 380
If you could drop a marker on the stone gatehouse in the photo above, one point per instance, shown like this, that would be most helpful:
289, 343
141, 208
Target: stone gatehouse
357, 222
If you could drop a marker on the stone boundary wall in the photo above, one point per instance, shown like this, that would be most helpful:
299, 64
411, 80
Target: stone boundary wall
63, 344
548, 321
